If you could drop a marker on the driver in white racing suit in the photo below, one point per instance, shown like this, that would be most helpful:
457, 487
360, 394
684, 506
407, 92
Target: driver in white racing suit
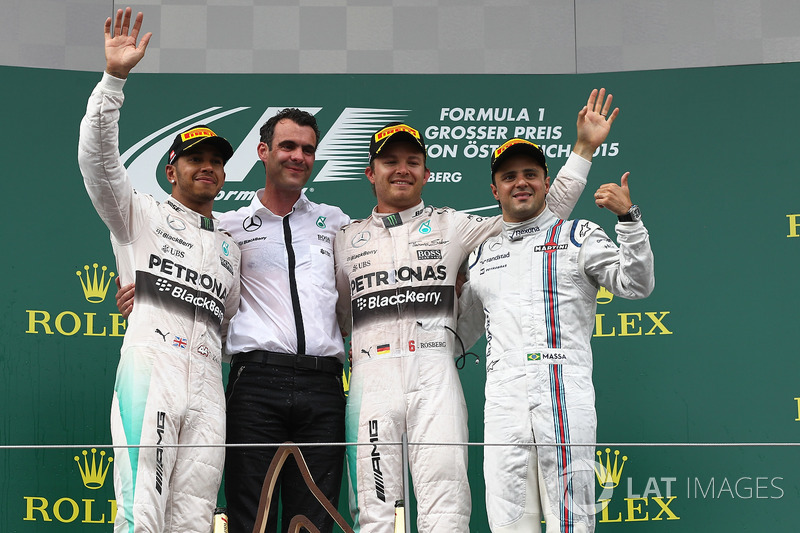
396, 274
168, 388
537, 284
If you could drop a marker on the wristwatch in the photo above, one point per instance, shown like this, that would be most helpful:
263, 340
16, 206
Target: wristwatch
634, 214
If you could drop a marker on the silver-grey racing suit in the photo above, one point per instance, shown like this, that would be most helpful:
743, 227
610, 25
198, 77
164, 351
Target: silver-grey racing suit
168, 387
396, 277
537, 284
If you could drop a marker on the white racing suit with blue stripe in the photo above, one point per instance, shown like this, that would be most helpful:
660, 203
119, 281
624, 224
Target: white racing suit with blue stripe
537, 284
168, 387
396, 277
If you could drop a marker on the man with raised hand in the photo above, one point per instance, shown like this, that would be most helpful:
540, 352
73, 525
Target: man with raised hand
284, 344
396, 274
168, 403
536, 283
285, 347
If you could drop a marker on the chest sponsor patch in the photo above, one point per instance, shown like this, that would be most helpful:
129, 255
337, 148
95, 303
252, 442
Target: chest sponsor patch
176, 298
547, 356
390, 305
424, 255
549, 247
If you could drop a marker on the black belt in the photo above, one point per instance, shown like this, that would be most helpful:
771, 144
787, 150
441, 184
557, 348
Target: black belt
329, 365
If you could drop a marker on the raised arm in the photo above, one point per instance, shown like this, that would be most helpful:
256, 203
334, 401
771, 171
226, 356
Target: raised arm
122, 52
594, 123
104, 176
625, 269
615, 198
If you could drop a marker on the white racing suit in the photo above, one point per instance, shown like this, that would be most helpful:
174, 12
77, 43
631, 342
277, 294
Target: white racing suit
537, 283
168, 388
396, 278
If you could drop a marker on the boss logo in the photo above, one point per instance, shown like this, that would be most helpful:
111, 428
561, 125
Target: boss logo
429, 254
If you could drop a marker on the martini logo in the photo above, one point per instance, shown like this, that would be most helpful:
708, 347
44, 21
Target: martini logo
94, 288
73, 322
75, 508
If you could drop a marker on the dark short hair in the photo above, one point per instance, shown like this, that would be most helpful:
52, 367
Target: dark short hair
298, 116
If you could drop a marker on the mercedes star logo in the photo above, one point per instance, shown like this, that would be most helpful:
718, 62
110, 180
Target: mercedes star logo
360, 239
251, 223
176, 223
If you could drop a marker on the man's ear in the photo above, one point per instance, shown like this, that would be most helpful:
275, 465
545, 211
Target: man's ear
170, 172
263, 151
427, 175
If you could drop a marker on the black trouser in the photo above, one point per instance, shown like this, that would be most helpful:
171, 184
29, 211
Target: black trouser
274, 404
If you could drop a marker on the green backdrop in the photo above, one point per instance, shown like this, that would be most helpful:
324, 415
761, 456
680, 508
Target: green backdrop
710, 357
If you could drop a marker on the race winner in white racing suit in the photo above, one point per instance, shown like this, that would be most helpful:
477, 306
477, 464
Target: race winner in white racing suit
168, 387
397, 274
537, 284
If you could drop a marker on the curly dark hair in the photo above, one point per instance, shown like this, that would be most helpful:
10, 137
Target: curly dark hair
298, 116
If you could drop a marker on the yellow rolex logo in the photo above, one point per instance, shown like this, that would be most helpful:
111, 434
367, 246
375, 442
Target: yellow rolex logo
608, 475
93, 475
94, 288
604, 296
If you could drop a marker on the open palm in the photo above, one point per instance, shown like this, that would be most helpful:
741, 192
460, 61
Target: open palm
122, 53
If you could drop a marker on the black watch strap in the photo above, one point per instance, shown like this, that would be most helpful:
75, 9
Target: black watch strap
634, 214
